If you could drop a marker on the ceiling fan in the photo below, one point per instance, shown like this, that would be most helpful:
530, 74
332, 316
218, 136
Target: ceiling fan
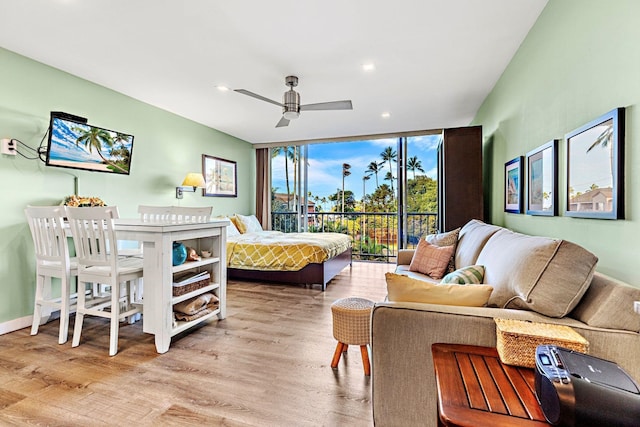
291, 102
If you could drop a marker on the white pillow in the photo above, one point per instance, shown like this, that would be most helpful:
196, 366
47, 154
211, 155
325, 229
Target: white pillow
231, 228
247, 224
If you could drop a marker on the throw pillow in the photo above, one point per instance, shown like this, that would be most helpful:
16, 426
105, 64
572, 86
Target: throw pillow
407, 289
431, 260
473, 274
446, 239
232, 230
247, 223
443, 239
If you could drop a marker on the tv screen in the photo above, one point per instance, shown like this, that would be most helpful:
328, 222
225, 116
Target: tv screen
77, 145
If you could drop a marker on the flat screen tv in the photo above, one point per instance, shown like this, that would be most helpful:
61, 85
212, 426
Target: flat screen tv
75, 144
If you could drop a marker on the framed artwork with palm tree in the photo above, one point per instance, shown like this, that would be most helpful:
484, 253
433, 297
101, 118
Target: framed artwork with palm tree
542, 180
513, 185
595, 168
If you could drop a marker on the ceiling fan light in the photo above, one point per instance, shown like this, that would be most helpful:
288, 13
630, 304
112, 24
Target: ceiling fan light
291, 115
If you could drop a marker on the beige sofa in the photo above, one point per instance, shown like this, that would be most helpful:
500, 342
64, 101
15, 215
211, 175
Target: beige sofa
534, 278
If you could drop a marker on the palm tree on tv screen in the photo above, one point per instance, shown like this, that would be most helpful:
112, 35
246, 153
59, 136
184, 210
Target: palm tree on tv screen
93, 137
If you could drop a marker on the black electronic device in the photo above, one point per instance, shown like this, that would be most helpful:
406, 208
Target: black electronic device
576, 389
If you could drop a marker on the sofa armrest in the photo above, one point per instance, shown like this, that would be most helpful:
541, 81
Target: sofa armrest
404, 256
404, 388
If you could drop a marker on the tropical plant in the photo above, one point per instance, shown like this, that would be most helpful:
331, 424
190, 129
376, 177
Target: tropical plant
413, 164
388, 155
345, 173
375, 168
93, 137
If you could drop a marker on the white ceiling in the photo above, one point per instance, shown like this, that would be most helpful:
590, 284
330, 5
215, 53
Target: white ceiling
436, 60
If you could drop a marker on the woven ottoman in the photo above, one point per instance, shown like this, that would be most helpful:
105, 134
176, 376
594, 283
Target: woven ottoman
351, 326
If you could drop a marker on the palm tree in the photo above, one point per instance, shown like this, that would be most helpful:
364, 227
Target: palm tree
388, 155
414, 164
389, 177
375, 168
97, 138
345, 173
275, 152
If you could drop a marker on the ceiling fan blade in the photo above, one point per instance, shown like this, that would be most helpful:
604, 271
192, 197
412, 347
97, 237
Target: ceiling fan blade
334, 105
260, 97
283, 122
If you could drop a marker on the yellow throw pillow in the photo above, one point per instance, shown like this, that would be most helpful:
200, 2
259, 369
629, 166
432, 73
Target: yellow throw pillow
407, 289
247, 223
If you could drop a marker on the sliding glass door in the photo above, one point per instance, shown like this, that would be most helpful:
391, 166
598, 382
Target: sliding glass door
382, 192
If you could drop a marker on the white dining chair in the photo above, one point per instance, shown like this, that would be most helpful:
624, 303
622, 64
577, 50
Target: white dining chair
191, 214
52, 260
94, 237
155, 213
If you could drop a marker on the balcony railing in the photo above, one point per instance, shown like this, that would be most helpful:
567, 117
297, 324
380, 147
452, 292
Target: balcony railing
374, 236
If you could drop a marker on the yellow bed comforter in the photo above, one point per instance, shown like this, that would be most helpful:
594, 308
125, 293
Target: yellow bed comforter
276, 251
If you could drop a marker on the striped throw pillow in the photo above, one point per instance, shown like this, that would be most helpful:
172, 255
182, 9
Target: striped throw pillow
473, 274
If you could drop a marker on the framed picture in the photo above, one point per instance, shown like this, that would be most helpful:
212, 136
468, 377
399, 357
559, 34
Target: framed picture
595, 168
542, 180
220, 177
513, 185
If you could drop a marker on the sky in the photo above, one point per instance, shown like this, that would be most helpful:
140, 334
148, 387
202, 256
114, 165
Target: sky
325, 164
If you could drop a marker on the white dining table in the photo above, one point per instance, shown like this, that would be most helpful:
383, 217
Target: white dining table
157, 238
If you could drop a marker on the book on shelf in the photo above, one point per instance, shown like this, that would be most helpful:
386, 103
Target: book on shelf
190, 277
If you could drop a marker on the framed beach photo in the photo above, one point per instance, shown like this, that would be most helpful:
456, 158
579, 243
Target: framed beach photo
513, 185
595, 168
220, 177
542, 180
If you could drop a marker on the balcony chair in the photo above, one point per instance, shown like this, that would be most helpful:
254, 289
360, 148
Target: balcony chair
52, 260
94, 237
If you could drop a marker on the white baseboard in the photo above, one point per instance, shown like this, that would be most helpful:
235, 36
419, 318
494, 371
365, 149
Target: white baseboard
16, 324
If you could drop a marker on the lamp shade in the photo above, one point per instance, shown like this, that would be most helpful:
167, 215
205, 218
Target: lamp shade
193, 180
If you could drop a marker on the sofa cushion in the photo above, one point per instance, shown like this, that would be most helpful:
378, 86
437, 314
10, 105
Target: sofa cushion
404, 270
608, 303
471, 240
402, 288
536, 273
473, 274
430, 259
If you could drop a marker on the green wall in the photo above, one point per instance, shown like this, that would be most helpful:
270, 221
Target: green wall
580, 60
166, 147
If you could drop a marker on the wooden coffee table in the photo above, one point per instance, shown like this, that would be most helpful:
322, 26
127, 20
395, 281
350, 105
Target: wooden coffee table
475, 389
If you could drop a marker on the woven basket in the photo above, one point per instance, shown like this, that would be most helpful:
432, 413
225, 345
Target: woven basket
517, 340
181, 290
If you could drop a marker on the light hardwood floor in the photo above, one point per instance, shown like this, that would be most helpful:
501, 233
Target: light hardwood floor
266, 364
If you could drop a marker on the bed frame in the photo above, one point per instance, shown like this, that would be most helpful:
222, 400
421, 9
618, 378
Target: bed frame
312, 274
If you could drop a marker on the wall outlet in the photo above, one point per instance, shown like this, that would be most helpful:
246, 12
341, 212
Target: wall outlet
8, 146
636, 306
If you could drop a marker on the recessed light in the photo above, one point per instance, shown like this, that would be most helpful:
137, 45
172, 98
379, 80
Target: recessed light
223, 88
370, 66
385, 115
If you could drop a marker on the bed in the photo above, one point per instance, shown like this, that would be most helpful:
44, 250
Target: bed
301, 258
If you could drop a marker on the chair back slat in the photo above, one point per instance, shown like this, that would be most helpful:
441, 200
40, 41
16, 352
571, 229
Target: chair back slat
155, 213
46, 224
192, 214
175, 213
94, 235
